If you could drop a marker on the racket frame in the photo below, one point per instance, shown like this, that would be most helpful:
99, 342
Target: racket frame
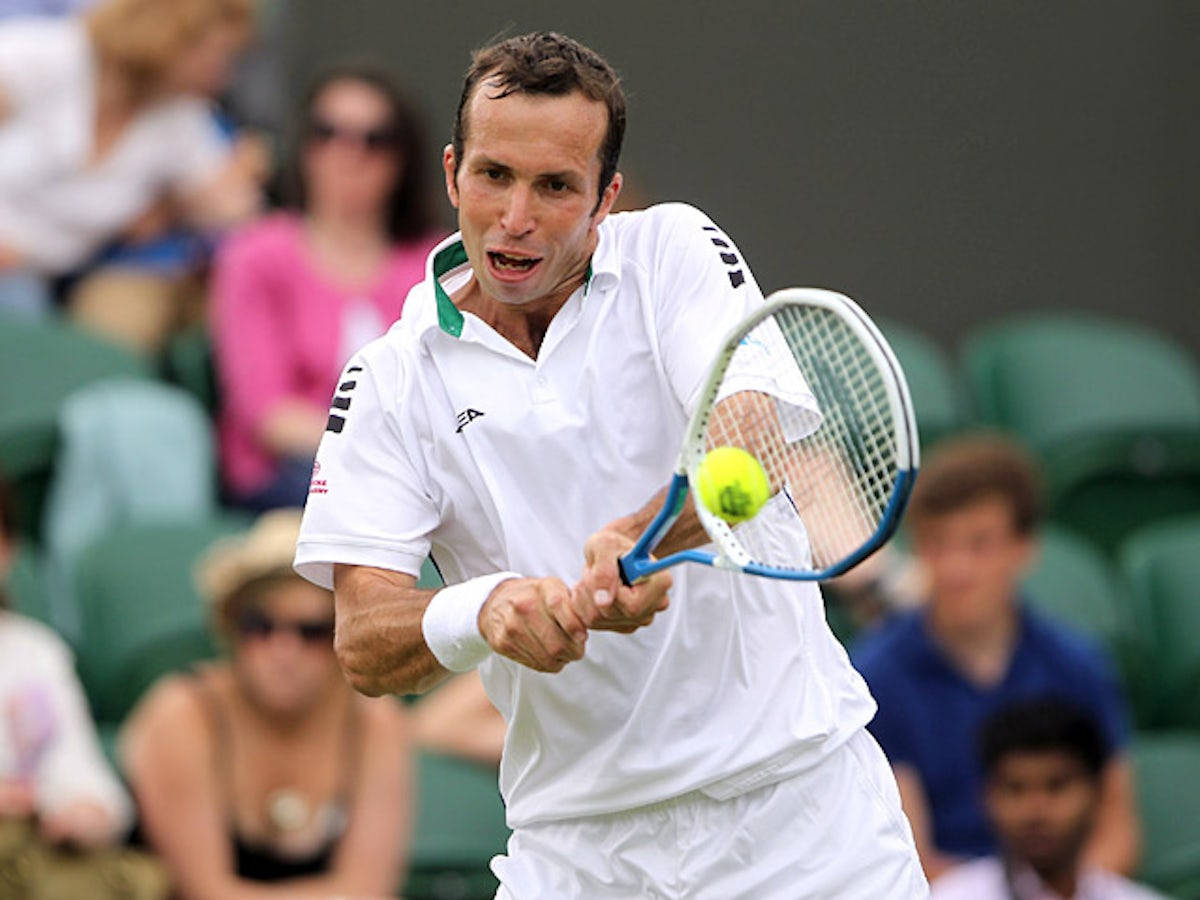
638, 564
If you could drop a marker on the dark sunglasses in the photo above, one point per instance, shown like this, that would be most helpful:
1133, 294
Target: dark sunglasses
373, 140
258, 625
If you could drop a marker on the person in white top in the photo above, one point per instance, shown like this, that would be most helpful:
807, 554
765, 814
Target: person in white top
1042, 760
105, 116
518, 422
52, 769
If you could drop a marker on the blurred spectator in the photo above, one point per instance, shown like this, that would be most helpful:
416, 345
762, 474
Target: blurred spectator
268, 767
105, 130
296, 294
939, 671
458, 719
52, 769
1042, 763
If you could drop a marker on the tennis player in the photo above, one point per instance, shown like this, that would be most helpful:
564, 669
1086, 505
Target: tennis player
516, 423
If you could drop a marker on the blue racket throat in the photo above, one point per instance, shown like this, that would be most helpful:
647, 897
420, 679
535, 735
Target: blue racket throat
637, 563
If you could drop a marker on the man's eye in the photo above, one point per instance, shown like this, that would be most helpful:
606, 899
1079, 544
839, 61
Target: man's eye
557, 187
493, 174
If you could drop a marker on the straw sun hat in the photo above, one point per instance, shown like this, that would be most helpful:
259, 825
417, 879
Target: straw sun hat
236, 564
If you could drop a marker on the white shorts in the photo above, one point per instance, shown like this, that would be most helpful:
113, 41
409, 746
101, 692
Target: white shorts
834, 831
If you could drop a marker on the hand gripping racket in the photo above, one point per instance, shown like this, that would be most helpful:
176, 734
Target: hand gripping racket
808, 385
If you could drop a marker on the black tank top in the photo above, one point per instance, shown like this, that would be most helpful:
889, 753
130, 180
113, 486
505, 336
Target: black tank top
261, 862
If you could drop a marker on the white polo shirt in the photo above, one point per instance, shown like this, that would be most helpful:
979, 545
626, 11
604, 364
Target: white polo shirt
445, 438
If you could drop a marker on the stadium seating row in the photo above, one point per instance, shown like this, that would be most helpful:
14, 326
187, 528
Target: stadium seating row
1112, 410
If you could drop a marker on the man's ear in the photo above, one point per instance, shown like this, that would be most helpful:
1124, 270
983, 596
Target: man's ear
607, 199
448, 167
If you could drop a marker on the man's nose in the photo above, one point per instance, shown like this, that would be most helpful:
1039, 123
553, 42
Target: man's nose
518, 218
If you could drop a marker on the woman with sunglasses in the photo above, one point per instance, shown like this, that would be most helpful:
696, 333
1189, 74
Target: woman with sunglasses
266, 775
297, 293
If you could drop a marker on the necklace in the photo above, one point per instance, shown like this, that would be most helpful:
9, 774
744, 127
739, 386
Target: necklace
288, 810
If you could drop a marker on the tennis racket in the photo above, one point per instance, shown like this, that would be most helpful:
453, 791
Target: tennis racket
809, 386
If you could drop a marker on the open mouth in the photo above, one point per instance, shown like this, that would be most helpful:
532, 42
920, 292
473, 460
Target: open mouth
503, 262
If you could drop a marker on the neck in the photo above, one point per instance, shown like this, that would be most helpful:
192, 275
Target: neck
1063, 880
983, 647
346, 230
115, 93
524, 325
295, 724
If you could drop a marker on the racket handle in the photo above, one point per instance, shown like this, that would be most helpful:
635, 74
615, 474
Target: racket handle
623, 569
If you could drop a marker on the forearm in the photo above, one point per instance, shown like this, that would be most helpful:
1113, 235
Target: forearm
379, 641
684, 534
293, 427
1115, 844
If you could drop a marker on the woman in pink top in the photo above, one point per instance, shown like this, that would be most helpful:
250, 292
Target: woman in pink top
297, 293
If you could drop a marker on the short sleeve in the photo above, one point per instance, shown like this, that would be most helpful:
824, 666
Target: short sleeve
703, 288
368, 503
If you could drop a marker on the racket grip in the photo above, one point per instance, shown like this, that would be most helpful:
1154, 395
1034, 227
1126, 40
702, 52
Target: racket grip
625, 579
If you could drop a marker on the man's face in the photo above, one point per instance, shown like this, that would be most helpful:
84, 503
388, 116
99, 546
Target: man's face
974, 558
526, 189
1042, 804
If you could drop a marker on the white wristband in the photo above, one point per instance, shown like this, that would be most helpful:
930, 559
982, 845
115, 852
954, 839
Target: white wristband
451, 622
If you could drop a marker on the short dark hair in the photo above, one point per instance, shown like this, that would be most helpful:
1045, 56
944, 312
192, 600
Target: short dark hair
1040, 725
545, 62
965, 470
409, 215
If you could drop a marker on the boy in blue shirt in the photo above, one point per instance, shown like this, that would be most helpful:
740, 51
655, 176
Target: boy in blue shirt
938, 672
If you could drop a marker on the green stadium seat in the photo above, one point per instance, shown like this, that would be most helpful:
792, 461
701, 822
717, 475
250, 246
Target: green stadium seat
1165, 770
130, 451
933, 380
1072, 581
1112, 409
1162, 563
40, 364
459, 828
188, 363
142, 615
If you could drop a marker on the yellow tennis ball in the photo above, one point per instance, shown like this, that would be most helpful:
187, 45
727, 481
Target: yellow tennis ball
731, 483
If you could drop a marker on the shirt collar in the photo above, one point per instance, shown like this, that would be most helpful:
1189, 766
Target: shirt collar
603, 268
1028, 885
935, 658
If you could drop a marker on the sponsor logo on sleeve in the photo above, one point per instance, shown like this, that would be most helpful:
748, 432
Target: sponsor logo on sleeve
318, 485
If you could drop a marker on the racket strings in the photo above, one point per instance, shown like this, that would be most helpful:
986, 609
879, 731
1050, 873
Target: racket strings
837, 480
856, 434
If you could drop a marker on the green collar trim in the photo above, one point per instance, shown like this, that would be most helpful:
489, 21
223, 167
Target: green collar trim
449, 258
